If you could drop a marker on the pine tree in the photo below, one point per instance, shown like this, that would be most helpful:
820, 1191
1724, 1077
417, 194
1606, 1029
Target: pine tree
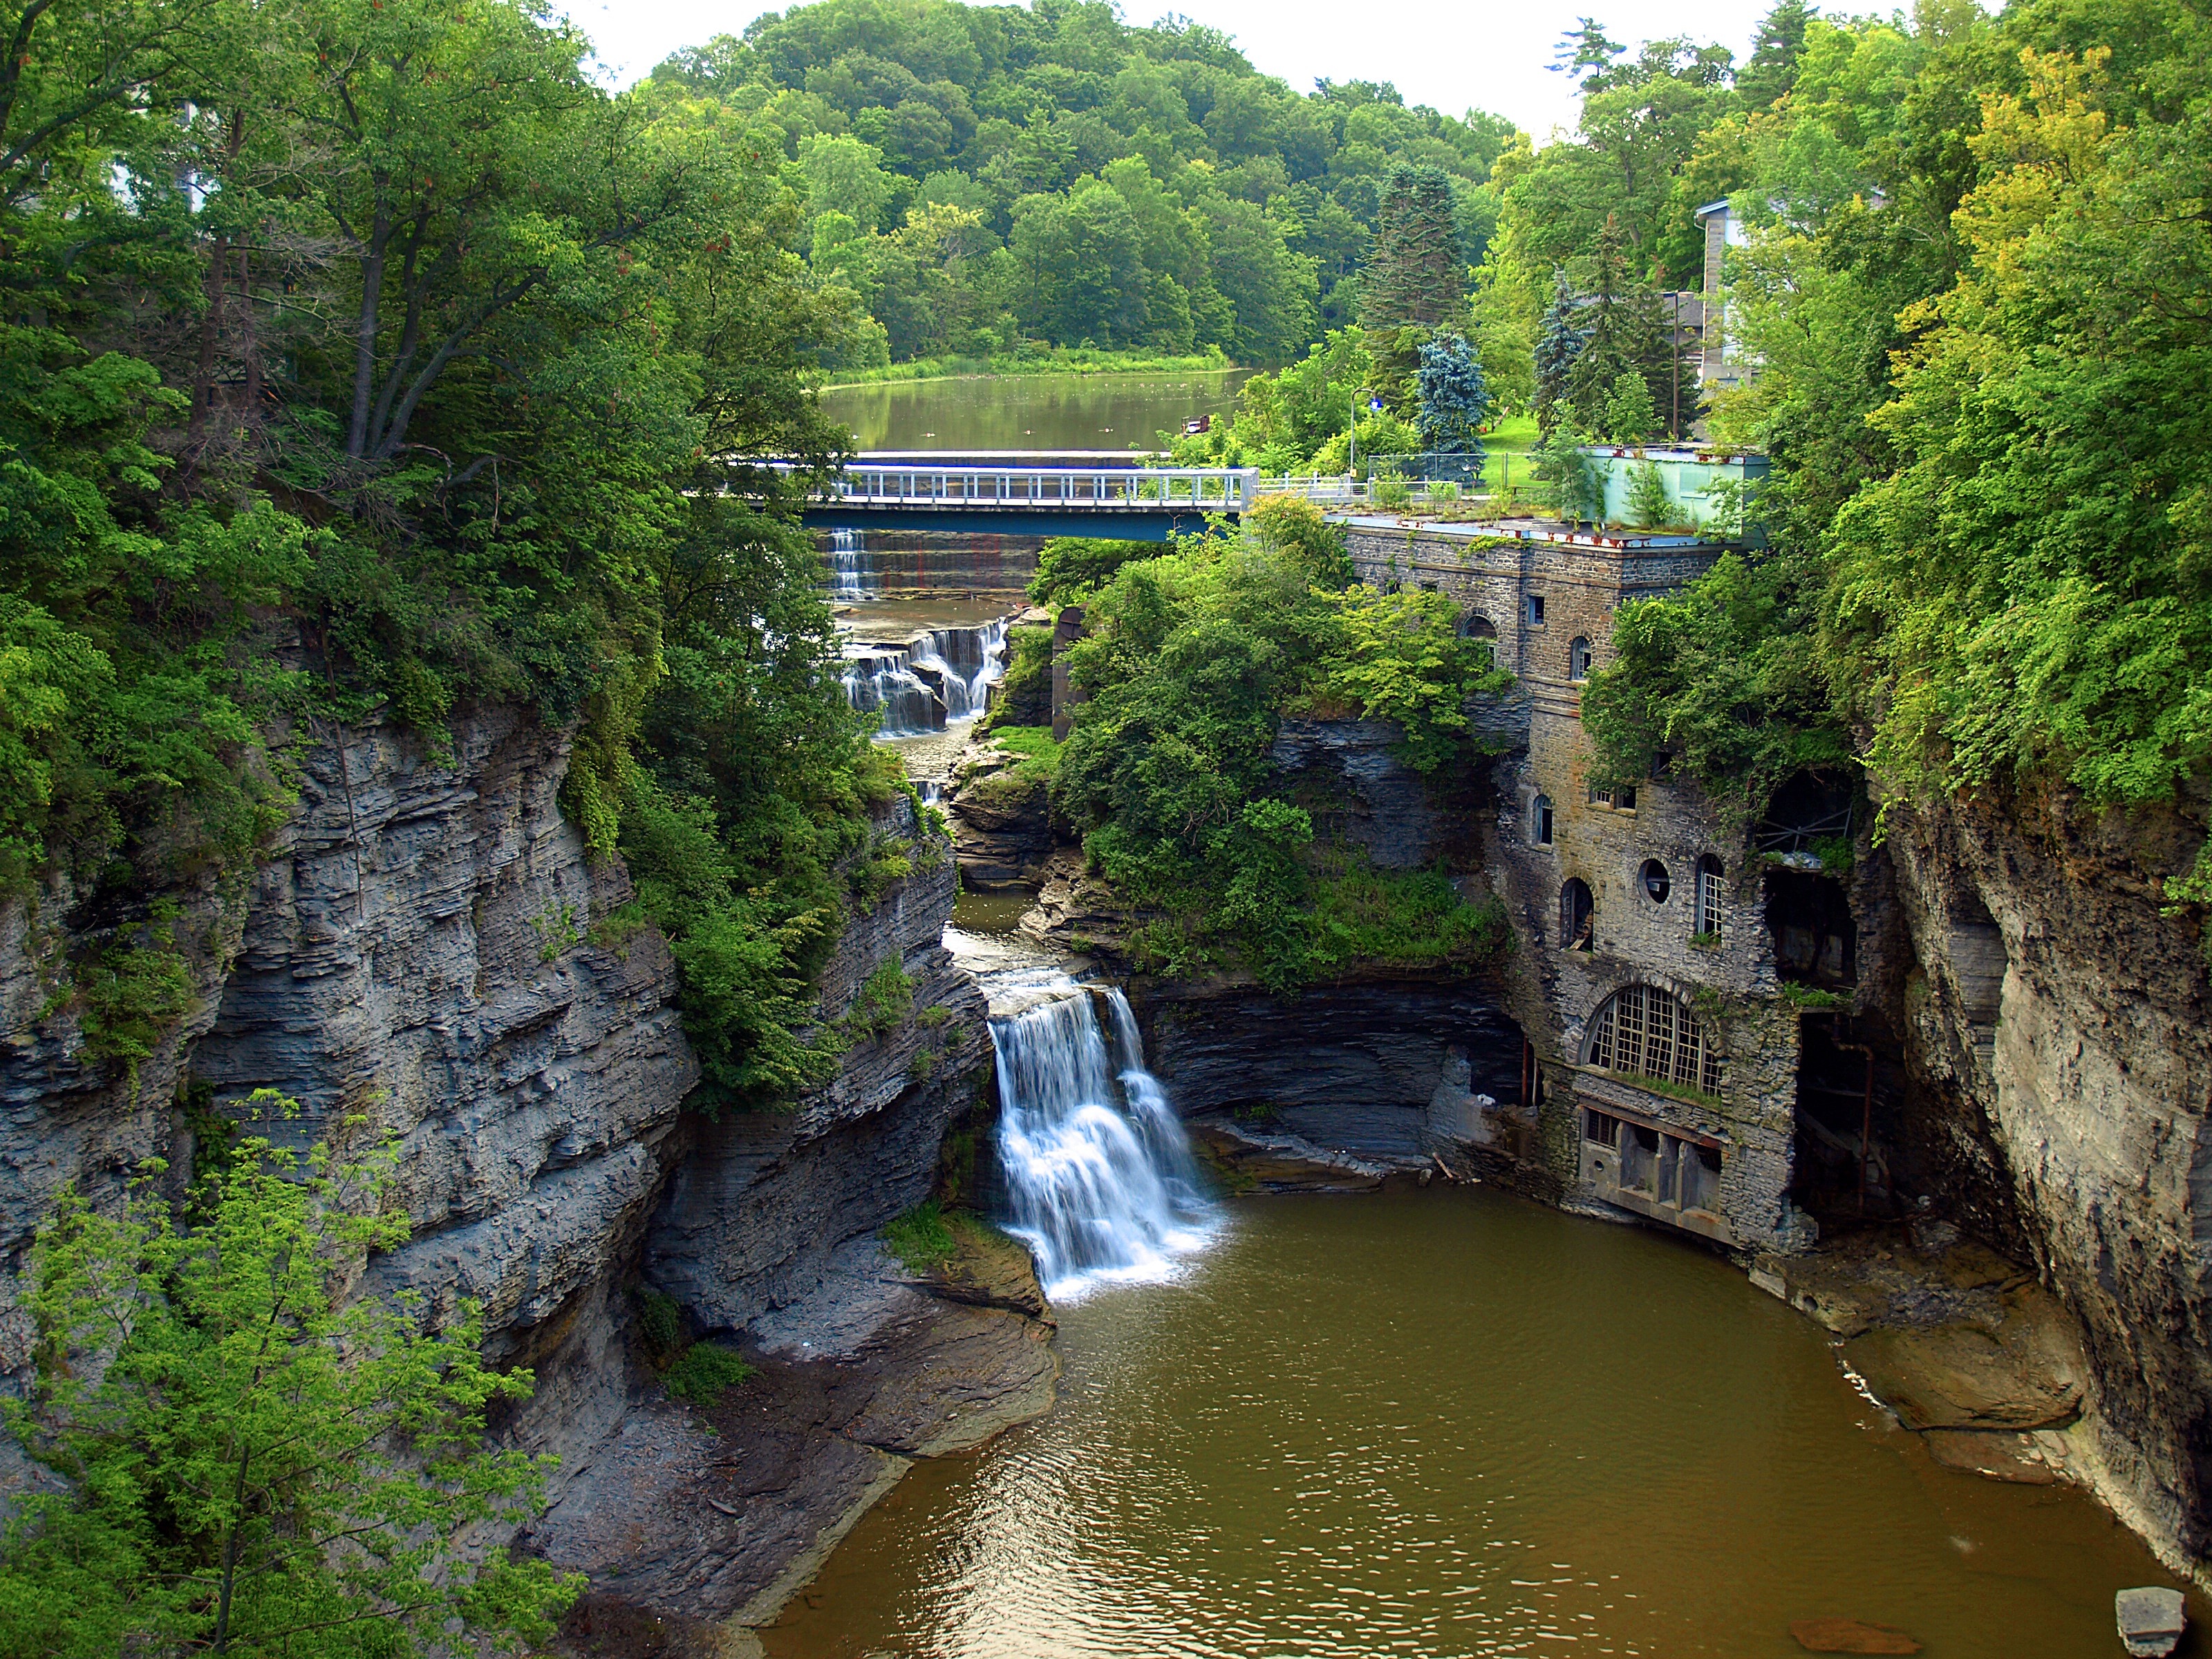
1771, 68
1454, 400
1626, 331
1561, 342
1414, 276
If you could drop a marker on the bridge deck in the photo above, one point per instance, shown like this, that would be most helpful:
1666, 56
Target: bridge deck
1117, 491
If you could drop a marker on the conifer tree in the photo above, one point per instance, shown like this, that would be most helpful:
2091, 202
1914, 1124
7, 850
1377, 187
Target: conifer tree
1624, 331
1452, 400
1414, 275
1630, 414
1560, 345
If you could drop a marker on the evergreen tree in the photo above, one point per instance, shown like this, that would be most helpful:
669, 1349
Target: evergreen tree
1453, 399
1771, 68
1560, 345
1626, 331
1414, 275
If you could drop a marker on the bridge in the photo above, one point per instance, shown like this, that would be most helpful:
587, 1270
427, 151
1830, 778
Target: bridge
1109, 496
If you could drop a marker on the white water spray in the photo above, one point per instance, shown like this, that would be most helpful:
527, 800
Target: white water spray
1098, 1171
941, 679
848, 564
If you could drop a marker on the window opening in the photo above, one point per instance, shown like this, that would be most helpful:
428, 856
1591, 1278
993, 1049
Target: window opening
1656, 881
1476, 626
1577, 918
1578, 659
1535, 609
1540, 818
1646, 1031
1601, 1129
1712, 895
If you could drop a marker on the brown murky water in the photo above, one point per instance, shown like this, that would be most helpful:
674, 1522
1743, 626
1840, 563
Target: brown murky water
1450, 1423
1030, 412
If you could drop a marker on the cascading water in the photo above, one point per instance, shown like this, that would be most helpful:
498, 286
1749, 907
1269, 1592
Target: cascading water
880, 679
1098, 1171
968, 661
848, 565
937, 679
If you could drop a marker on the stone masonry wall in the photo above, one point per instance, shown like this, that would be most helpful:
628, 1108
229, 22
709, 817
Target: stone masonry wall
1552, 604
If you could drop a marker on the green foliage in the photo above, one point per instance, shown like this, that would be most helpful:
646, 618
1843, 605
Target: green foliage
1069, 567
132, 995
1025, 696
1409, 918
987, 180
922, 1237
704, 1372
1191, 660
660, 1326
250, 1467
1629, 417
1566, 483
1648, 504
1417, 271
1726, 677
884, 1001
1453, 403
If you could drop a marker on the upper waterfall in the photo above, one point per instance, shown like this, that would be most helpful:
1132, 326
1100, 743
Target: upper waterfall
1098, 1171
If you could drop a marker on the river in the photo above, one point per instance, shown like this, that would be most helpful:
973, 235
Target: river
1452, 1422
1031, 411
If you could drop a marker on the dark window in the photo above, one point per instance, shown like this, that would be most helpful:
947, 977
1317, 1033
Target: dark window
1578, 659
1654, 876
1535, 609
1601, 1129
1644, 1031
1625, 799
1577, 919
1712, 895
1540, 818
1476, 626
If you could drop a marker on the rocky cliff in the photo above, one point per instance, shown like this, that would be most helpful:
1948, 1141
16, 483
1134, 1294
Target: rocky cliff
2057, 1035
425, 943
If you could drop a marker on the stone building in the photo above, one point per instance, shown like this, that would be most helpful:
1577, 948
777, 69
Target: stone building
1664, 1058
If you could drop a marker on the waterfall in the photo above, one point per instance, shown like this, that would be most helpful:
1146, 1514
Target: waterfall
936, 679
880, 679
848, 564
1098, 1171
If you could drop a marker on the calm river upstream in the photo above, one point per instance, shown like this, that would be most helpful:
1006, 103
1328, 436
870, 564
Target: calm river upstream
1453, 1423
1030, 412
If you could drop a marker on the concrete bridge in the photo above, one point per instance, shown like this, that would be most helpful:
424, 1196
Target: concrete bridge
1105, 496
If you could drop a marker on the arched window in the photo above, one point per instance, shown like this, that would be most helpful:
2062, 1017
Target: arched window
1476, 626
1540, 820
1645, 1031
1710, 895
1577, 918
1578, 658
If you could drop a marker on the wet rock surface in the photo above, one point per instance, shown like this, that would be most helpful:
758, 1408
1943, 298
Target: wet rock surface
1961, 1344
722, 1514
1250, 1159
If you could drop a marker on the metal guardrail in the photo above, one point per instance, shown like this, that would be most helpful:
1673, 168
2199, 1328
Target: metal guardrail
1328, 489
1110, 490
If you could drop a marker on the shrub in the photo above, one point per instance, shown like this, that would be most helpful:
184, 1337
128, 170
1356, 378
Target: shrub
884, 1001
704, 1371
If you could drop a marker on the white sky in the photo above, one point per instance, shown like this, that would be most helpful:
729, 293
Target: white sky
1488, 55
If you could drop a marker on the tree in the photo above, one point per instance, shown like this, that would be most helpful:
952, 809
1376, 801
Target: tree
1453, 401
1630, 416
1771, 68
1622, 330
1561, 342
1415, 275
1566, 482
255, 1464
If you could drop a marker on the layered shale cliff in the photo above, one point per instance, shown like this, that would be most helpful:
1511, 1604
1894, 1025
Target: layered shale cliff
2057, 1031
427, 946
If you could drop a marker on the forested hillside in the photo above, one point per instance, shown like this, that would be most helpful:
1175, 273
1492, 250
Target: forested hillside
984, 176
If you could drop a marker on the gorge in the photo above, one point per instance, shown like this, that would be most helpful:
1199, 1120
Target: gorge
1572, 1011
